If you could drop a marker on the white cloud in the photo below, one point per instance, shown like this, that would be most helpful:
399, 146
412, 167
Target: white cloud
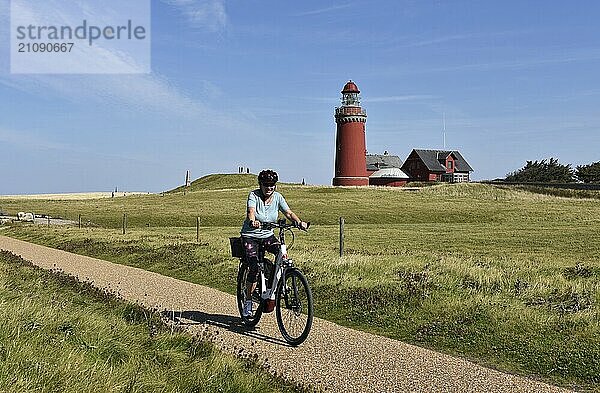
145, 93
29, 141
204, 14
559, 57
104, 56
128, 90
483, 38
335, 100
416, 97
325, 10
438, 40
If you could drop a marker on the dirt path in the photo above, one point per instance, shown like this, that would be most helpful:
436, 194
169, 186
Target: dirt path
334, 358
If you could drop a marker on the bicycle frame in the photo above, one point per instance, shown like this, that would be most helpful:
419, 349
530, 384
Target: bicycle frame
281, 264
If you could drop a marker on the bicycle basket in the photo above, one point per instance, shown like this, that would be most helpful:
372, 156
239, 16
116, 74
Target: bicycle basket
237, 250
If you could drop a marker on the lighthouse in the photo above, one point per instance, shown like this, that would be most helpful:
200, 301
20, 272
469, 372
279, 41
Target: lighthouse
350, 145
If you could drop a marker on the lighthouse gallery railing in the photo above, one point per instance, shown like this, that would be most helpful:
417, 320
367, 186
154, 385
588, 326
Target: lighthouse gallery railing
350, 111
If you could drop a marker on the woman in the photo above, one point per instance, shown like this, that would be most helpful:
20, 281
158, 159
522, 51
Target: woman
264, 205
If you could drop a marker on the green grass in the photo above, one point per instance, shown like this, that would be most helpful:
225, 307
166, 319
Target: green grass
59, 335
502, 276
219, 182
561, 192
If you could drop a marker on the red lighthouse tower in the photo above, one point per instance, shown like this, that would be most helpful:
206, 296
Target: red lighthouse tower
350, 148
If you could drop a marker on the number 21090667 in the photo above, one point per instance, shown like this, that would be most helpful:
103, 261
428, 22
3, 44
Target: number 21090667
45, 47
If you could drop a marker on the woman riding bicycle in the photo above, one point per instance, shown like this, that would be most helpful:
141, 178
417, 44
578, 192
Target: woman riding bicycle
264, 205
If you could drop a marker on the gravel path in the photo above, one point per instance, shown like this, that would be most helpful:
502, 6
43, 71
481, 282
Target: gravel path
333, 358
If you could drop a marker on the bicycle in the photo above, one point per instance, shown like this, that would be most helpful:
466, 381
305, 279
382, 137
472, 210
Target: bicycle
281, 286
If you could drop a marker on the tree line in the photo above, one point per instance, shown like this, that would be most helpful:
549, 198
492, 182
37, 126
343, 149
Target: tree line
551, 171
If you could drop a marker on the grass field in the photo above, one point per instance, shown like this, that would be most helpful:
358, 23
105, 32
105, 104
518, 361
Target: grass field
70, 196
505, 277
58, 335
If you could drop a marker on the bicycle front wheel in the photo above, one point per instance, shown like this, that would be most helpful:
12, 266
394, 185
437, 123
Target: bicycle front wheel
294, 307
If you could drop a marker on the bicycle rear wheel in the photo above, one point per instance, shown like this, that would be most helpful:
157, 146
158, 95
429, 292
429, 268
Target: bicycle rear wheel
253, 319
294, 307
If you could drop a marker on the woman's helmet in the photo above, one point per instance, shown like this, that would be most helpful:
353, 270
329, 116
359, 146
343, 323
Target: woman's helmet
267, 176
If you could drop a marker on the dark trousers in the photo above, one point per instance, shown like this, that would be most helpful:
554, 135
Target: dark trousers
252, 246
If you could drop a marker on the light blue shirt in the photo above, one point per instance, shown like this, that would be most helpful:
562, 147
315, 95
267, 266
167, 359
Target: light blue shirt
264, 213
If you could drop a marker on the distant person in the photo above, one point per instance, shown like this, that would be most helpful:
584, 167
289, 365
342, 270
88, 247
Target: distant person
264, 205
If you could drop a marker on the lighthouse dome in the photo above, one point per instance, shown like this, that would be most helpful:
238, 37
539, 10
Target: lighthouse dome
350, 87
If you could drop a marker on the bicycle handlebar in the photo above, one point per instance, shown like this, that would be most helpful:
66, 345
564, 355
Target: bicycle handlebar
282, 224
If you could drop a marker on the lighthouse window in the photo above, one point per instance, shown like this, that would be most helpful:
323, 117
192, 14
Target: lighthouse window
350, 99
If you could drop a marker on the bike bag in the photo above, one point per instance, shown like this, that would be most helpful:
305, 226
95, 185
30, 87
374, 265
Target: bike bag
268, 305
237, 249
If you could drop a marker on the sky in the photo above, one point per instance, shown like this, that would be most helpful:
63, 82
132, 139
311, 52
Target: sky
254, 83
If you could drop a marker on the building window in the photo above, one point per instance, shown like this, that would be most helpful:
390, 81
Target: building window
450, 163
461, 177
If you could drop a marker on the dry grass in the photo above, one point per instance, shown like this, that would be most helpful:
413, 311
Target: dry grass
79, 196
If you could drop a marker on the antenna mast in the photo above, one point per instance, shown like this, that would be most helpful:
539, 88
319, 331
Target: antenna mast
444, 133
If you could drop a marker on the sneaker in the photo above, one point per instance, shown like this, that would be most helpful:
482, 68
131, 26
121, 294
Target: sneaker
247, 312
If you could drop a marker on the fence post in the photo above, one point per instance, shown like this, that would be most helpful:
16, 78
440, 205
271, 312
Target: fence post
124, 222
197, 229
341, 236
48, 220
80, 221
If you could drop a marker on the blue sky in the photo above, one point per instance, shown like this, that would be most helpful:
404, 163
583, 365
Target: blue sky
255, 83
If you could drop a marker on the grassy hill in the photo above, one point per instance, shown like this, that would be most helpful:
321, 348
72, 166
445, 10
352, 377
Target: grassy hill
220, 182
503, 276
